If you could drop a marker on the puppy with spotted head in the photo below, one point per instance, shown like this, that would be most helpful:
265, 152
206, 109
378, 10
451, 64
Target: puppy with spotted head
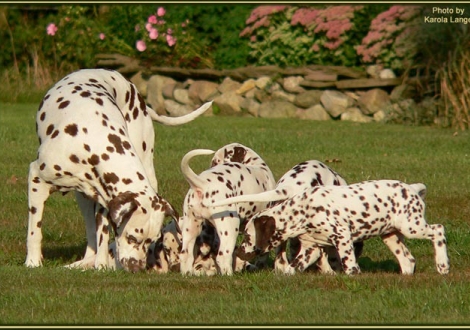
96, 138
338, 216
221, 181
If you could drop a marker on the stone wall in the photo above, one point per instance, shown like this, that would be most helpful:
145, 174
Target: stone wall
319, 95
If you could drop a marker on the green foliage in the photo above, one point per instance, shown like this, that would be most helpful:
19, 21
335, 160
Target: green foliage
86, 30
217, 28
313, 34
391, 40
58, 296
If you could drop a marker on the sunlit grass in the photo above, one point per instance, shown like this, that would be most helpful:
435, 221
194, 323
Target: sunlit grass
380, 295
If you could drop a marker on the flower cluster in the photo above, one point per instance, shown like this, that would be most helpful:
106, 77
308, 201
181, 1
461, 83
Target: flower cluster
155, 38
171, 43
260, 17
390, 38
70, 35
156, 27
290, 35
329, 25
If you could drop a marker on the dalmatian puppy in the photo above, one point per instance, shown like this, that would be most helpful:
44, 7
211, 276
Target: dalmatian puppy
302, 176
96, 138
221, 181
340, 215
164, 257
238, 153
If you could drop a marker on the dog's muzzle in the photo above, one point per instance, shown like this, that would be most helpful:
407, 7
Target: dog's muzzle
133, 265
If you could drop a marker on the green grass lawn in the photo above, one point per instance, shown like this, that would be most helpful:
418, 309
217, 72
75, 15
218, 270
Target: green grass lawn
379, 296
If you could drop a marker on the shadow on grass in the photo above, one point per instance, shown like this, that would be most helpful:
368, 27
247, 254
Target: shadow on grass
370, 266
63, 254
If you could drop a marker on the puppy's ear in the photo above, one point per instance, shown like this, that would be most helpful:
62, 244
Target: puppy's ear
121, 207
420, 189
265, 227
239, 154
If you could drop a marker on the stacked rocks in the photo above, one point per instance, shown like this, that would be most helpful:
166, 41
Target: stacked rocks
268, 97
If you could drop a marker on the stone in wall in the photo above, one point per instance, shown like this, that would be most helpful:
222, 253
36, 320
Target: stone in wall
155, 94
201, 91
308, 98
373, 100
229, 85
277, 109
316, 112
229, 103
335, 102
355, 114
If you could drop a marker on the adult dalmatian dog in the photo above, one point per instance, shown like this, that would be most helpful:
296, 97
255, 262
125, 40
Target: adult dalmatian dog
222, 180
340, 215
96, 138
304, 175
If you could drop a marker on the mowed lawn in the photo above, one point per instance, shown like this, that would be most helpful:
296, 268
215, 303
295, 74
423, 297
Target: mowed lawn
52, 295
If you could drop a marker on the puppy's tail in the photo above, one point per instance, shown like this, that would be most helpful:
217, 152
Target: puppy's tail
265, 196
174, 121
420, 188
193, 179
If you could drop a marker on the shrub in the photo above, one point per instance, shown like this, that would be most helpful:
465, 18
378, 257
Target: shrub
391, 39
216, 27
293, 36
163, 43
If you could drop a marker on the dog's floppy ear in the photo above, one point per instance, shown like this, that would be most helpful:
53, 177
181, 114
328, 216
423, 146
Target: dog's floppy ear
265, 227
420, 188
239, 154
121, 207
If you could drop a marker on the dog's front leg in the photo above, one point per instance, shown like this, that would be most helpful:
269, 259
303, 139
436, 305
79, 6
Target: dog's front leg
308, 254
344, 244
102, 239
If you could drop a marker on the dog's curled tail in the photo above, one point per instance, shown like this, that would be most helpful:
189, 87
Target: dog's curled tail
174, 121
193, 179
265, 196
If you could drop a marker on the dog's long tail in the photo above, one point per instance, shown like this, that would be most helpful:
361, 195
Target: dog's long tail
265, 196
193, 179
174, 121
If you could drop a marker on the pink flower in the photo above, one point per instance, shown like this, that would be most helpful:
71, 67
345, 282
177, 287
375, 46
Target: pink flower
140, 45
169, 31
315, 48
170, 40
102, 36
161, 22
161, 11
262, 11
152, 19
148, 27
51, 29
153, 34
